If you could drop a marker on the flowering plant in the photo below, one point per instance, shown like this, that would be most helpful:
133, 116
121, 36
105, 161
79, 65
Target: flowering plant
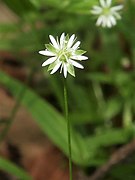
107, 13
63, 54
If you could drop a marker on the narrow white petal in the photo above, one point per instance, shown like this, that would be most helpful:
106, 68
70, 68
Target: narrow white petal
65, 70
96, 10
61, 68
109, 22
117, 8
100, 20
79, 57
109, 2
117, 15
102, 2
76, 45
55, 68
71, 41
49, 61
46, 53
76, 64
55, 44
104, 22
62, 38
113, 21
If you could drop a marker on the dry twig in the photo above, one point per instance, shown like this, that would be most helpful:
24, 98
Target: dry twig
119, 155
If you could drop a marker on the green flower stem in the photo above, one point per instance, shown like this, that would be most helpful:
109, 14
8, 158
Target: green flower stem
68, 129
15, 109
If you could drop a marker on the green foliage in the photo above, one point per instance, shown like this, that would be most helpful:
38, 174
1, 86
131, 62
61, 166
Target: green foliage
54, 125
124, 170
11, 168
50, 121
101, 97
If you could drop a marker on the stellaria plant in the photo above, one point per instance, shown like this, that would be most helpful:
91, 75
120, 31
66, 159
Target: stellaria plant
64, 54
107, 14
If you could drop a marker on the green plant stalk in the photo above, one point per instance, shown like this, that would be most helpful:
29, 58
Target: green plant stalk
12, 115
68, 129
15, 108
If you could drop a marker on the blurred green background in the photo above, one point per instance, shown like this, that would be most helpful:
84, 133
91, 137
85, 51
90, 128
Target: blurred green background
101, 97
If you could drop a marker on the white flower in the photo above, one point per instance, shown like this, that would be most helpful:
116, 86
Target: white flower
107, 15
63, 54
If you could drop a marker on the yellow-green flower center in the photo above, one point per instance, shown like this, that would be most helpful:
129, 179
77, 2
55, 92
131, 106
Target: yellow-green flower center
106, 11
64, 55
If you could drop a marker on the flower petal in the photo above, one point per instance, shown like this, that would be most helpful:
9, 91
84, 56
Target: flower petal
117, 15
109, 24
71, 41
96, 10
113, 21
56, 68
104, 21
103, 3
76, 45
116, 8
65, 70
49, 61
100, 20
76, 64
62, 39
79, 57
46, 53
109, 2
55, 44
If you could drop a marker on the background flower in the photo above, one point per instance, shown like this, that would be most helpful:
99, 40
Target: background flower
107, 15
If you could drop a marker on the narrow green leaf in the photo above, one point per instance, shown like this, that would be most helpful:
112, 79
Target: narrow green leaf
11, 168
49, 119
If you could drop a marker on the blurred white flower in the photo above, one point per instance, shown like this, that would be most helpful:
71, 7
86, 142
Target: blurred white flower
63, 54
107, 15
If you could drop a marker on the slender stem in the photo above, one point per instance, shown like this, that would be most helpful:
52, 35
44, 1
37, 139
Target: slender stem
12, 115
68, 129
15, 109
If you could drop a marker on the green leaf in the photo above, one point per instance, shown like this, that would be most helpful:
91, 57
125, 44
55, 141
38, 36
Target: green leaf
11, 168
49, 119
83, 7
112, 107
37, 3
127, 115
123, 171
105, 138
19, 7
115, 136
99, 77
